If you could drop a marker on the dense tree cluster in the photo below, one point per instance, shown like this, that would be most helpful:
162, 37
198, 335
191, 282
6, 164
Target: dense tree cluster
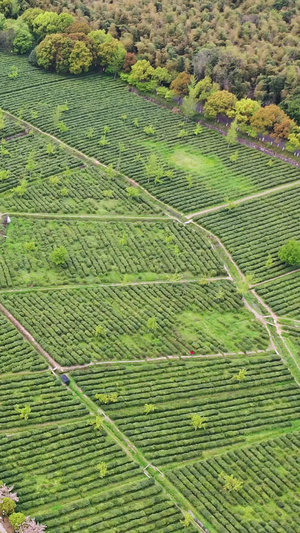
227, 73
78, 52
250, 48
290, 253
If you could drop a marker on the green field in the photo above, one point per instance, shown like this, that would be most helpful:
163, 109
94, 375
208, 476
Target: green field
255, 230
201, 169
268, 501
137, 321
233, 410
101, 252
282, 295
15, 353
181, 380
29, 157
48, 399
84, 191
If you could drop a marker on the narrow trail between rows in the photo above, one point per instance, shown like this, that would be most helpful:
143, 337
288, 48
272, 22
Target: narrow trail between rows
276, 277
163, 358
66, 216
119, 284
267, 192
28, 336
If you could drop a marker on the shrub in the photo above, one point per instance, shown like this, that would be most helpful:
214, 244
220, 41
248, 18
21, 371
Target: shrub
59, 256
290, 252
16, 519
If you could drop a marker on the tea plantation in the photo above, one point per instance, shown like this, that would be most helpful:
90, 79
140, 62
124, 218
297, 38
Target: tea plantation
268, 474
232, 410
137, 321
254, 231
182, 169
282, 295
16, 353
104, 252
28, 157
80, 191
149, 360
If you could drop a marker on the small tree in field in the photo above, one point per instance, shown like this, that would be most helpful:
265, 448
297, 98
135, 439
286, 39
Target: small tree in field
241, 375
100, 330
198, 129
198, 421
4, 174
51, 148
102, 467
3, 148
59, 256
149, 130
149, 408
31, 162
230, 482
187, 520
17, 519
2, 120
290, 252
270, 261
245, 285
152, 323
111, 397
234, 157
23, 411
97, 422
21, 189
232, 133
133, 192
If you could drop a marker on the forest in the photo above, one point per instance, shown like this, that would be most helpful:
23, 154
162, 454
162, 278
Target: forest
250, 47
245, 77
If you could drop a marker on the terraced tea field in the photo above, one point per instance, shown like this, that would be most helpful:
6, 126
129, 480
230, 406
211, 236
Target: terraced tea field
137, 321
282, 295
16, 354
47, 399
83, 191
104, 252
195, 170
267, 502
255, 230
143, 506
28, 76
29, 157
179, 408
232, 410
79, 442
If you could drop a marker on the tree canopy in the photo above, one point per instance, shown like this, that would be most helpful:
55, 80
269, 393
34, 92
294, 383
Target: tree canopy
220, 102
290, 252
249, 47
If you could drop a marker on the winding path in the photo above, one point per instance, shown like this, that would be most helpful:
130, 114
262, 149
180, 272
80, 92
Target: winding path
28, 336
